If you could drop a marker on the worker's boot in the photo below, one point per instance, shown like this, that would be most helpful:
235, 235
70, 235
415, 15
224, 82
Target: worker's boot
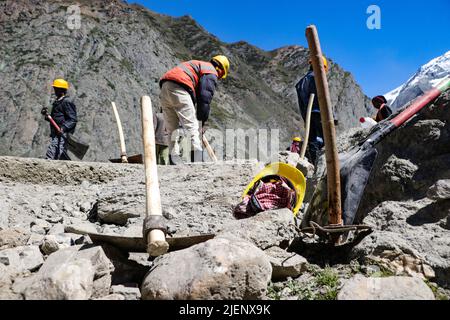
196, 156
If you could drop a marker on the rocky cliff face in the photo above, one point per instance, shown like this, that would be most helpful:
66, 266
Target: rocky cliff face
118, 54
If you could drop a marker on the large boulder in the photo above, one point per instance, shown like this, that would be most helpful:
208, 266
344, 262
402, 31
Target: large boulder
221, 268
390, 288
69, 274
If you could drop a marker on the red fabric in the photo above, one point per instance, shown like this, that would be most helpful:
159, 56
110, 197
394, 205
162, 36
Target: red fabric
179, 75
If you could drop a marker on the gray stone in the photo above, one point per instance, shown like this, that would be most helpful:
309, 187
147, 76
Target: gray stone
440, 190
101, 286
221, 268
40, 226
117, 209
56, 229
389, 288
35, 239
69, 274
53, 206
52, 243
85, 207
114, 296
15, 237
129, 292
20, 259
285, 264
80, 227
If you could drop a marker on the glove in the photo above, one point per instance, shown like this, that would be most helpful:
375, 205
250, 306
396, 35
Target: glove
44, 111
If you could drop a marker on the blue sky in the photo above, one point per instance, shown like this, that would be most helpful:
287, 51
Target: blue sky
411, 34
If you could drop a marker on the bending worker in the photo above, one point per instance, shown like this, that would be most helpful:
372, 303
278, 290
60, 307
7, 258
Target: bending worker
192, 82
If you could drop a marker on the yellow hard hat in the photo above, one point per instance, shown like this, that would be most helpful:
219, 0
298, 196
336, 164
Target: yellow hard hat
297, 139
288, 172
60, 83
325, 63
224, 63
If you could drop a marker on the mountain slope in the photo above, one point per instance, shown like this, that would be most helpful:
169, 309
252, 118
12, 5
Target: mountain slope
119, 54
424, 79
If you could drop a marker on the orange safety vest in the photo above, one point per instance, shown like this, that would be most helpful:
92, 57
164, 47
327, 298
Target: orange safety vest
189, 73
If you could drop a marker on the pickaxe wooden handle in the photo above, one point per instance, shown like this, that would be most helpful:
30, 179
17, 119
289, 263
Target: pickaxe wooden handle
123, 150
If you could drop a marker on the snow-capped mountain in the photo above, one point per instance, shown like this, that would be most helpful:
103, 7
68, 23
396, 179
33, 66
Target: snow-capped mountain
424, 79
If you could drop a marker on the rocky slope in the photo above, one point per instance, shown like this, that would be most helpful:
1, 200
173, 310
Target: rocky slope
118, 54
45, 207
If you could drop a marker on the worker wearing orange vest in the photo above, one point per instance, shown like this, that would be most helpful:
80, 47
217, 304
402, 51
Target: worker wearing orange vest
192, 82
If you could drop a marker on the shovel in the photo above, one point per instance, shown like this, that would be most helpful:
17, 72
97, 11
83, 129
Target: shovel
356, 167
78, 148
123, 151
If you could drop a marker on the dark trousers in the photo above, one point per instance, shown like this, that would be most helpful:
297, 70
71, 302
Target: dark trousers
315, 142
57, 150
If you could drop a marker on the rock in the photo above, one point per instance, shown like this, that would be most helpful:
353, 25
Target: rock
15, 237
35, 239
129, 292
133, 231
118, 208
85, 207
125, 270
114, 296
306, 168
266, 229
20, 259
221, 268
390, 288
440, 190
80, 227
285, 264
69, 274
52, 243
40, 226
56, 229
54, 220
288, 157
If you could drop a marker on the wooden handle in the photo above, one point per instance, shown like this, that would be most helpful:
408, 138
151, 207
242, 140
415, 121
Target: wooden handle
209, 149
156, 240
123, 150
326, 115
307, 125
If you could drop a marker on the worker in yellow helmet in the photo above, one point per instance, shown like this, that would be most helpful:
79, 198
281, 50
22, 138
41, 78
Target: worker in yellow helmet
64, 113
304, 88
188, 84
